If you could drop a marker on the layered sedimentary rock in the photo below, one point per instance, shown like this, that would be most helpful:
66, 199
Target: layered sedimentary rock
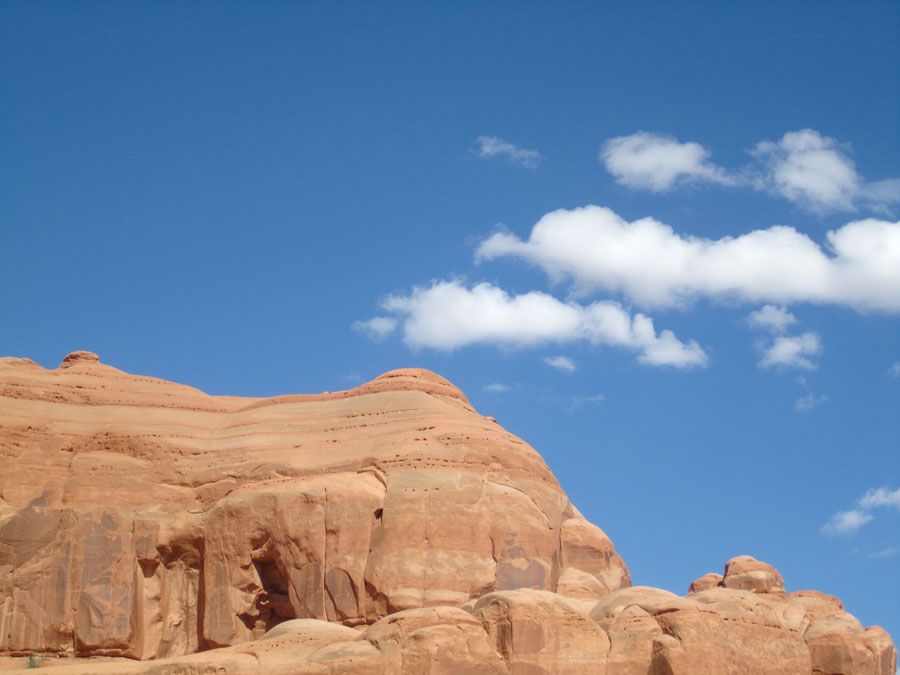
143, 518
389, 528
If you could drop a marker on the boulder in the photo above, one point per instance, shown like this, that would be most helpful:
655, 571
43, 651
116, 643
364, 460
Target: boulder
433, 641
837, 644
729, 631
541, 632
704, 583
746, 573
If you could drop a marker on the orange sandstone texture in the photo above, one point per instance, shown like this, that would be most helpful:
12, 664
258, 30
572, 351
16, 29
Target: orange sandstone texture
389, 528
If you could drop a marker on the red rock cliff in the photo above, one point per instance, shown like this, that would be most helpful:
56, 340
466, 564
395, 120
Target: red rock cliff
387, 528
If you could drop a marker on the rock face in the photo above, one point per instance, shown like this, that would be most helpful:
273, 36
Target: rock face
146, 519
388, 528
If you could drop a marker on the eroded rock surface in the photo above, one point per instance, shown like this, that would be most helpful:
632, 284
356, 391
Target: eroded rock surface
146, 527
146, 519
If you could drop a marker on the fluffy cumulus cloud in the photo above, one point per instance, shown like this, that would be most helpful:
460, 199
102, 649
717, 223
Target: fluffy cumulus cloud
794, 351
805, 167
817, 173
850, 521
657, 162
488, 147
449, 315
772, 318
563, 363
859, 265
811, 170
377, 328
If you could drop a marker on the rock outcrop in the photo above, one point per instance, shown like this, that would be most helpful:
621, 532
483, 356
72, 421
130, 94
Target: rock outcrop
389, 528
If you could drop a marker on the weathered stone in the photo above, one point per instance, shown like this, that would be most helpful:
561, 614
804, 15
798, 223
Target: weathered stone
150, 528
632, 634
540, 632
585, 547
882, 648
576, 584
704, 583
434, 640
746, 573
837, 644
147, 519
729, 631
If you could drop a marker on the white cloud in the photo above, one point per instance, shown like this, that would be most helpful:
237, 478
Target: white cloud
809, 402
655, 266
496, 388
657, 162
881, 194
894, 369
491, 146
581, 402
888, 552
810, 170
792, 352
772, 318
561, 363
846, 522
448, 315
881, 497
377, 328
806, 167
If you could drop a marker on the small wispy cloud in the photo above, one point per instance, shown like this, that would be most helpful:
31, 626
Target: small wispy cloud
489, 147
894, 369
563, 363
377, 328
497, 388
846, 522
787, 351
794, 351
849, 522
773, 318
580, 402
881, 497
888, 552
809, 402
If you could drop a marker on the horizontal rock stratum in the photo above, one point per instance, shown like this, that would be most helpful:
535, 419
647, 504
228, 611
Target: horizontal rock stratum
148, 527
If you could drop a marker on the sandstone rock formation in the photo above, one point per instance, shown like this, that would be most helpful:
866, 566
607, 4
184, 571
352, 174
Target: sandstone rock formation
148, 527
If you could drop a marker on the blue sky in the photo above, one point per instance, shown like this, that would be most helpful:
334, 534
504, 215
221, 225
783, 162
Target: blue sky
222, 194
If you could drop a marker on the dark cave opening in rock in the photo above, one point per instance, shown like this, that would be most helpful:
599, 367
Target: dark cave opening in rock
273, 601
